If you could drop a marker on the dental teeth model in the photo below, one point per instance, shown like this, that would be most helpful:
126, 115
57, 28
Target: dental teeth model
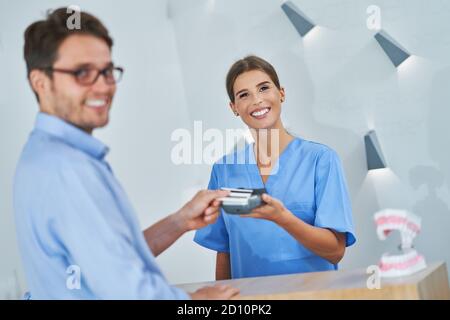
408, 224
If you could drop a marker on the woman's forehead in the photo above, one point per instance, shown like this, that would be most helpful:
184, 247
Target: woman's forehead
251, 79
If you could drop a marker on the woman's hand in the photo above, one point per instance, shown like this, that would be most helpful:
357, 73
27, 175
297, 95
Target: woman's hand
273, 210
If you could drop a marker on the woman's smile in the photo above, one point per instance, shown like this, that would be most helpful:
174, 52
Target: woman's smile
260, 113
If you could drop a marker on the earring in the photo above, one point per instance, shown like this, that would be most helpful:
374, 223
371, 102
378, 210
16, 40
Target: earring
236, 114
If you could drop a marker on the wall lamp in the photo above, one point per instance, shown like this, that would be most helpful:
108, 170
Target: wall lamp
298, 18
396, 53
374, 155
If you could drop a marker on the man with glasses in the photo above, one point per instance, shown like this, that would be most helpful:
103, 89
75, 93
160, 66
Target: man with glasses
77, 232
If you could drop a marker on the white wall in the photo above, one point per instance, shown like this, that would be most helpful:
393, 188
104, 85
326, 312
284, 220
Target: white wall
339, 85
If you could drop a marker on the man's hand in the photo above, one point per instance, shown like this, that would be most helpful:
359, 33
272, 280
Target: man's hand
273, 210
218, 292
202, 210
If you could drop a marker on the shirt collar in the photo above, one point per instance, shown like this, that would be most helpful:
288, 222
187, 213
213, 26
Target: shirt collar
71, 135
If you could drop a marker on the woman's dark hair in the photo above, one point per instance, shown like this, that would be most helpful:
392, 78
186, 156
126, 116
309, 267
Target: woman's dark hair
249, 63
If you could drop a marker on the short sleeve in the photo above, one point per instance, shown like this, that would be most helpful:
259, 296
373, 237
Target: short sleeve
214, 236
333, 208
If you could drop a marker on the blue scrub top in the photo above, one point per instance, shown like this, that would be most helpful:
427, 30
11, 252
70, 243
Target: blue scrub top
309, 180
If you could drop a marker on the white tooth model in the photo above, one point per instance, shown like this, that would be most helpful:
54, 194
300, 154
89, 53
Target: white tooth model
408, 224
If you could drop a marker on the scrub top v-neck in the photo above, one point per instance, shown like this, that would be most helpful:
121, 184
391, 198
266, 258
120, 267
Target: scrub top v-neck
309, 180
253, 169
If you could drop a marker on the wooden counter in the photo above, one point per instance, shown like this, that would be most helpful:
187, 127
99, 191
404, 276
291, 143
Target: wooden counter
430, 283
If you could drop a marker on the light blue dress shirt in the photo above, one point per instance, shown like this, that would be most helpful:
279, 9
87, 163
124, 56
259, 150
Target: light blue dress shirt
309, 181
74, 221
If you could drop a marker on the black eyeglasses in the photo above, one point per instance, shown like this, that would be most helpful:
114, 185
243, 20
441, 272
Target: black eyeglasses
87, 76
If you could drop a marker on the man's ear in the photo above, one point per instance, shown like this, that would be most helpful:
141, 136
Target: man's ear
39, 81
233, 108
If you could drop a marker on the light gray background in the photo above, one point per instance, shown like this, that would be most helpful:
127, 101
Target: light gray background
339, 85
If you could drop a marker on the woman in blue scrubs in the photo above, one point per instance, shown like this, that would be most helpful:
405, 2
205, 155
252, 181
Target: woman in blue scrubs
306, 223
